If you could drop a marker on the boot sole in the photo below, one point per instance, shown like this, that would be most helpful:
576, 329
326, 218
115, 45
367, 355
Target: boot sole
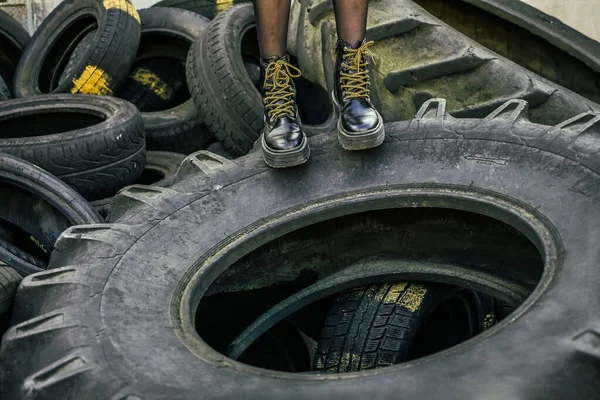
363, 141
285, 158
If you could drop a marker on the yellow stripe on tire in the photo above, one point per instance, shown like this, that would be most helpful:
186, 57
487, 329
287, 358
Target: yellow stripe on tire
92, 80
222, 5
150, 80
122, 5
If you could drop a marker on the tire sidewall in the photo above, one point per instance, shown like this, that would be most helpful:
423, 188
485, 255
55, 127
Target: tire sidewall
177, 242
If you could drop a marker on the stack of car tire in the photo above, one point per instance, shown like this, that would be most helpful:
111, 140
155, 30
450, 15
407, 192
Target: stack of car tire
130, 195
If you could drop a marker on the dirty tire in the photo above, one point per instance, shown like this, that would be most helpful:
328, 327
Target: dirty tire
420, 56
375, 326
13, 41
161, 167
120, 331
9, 281
93, 143
167, 35
206, 8
35, 208
101, 69
226, 95
219, 149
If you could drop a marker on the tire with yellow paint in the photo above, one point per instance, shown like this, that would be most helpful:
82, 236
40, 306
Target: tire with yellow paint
157, 82
93, 143
382, 325
206, 8
100, 69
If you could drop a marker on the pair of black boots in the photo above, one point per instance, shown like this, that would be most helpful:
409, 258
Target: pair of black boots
360, 126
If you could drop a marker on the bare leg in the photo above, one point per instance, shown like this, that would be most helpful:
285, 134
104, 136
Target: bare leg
351, 19
272, 18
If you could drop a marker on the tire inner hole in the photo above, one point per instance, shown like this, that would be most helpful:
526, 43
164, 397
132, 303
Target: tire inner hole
60, 51
49, 122
278, 269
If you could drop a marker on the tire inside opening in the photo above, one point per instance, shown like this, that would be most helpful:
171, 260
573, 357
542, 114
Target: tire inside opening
60, 51
46, 123
285, 266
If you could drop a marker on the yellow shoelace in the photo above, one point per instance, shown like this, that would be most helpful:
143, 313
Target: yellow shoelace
355, 83
279, 96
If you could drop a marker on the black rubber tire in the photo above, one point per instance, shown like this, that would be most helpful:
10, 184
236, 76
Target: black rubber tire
168, 34
38, 207
101, 70
228, 101
78, 54
97, 154
13, 41
375, 326
125, 326
419, 57
9, 281
4, 90
160, 170
206, 8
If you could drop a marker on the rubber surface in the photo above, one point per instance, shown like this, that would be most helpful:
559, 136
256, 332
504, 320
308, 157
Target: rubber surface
160, 169
93, 143
167, 35
13, 40
9, 280
103, 67
206, 8
419, 57
35, 208
125, 326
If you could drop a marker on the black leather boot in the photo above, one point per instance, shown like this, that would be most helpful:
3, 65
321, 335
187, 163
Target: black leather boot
284, 144
360, 126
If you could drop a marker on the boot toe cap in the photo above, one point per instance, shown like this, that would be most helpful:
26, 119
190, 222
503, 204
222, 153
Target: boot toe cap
359, 118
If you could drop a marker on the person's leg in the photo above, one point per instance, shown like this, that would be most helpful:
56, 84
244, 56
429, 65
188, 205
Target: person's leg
283, 142
272, 18
360, 126
351, 20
